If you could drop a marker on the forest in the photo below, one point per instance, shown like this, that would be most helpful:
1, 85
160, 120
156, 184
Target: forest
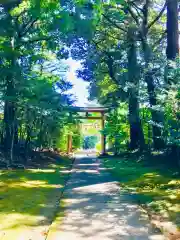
129, 54
131, 62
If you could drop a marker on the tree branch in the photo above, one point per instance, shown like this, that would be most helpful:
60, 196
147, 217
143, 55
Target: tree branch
24, 25
114, 23
159, 40
99, 41
158, 16
20, 14
135, 5
137, 10
43, 38
134, 16
109, 63
27, 27
145, 18
30, 41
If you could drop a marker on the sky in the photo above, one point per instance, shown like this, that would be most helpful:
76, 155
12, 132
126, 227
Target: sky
79, 86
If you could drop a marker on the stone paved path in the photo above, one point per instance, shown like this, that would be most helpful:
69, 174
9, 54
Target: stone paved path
97, 210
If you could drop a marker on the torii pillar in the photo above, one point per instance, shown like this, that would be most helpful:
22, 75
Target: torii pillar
69, 144
103, 137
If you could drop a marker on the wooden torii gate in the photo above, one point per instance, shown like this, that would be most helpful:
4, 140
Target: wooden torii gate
87, 110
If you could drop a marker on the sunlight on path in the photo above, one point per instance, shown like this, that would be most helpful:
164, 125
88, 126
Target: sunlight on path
97, 210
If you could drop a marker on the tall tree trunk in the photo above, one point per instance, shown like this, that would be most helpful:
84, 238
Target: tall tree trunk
172, 50
136, 131
27, 143
172, 30
9, 129
10, 106
2, 137
40, 137
16, 135
156, 117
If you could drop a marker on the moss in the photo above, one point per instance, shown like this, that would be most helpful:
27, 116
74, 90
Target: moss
29, 198
157, 188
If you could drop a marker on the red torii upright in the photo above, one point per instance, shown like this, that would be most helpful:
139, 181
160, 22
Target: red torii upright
87, 110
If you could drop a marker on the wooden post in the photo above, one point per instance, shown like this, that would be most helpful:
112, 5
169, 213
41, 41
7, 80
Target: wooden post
69, 144
103, 137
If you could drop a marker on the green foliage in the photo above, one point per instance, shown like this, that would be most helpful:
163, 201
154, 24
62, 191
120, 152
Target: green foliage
98, 147
117, 129
126, 62
172, 123
33, 85
77, 137
122, 50
74, 131
90, 142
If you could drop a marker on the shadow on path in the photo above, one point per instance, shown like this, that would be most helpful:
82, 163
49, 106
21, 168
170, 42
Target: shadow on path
97, 209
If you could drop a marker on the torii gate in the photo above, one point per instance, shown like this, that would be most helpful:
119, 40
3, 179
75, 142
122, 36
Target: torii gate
87, 110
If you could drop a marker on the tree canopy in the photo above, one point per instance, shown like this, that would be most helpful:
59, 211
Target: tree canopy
131, 57
129, 51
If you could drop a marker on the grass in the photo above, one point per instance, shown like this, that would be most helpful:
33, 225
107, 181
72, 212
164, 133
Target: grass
29, 199
156, 188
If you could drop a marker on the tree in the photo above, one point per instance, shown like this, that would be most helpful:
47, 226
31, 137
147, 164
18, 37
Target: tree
117, 128
172, 50
136, 131
30, 38
107, 60
126, 49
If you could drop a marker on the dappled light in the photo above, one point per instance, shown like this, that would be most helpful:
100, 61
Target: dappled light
29, 198
97, 209
89, 119
157, 190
